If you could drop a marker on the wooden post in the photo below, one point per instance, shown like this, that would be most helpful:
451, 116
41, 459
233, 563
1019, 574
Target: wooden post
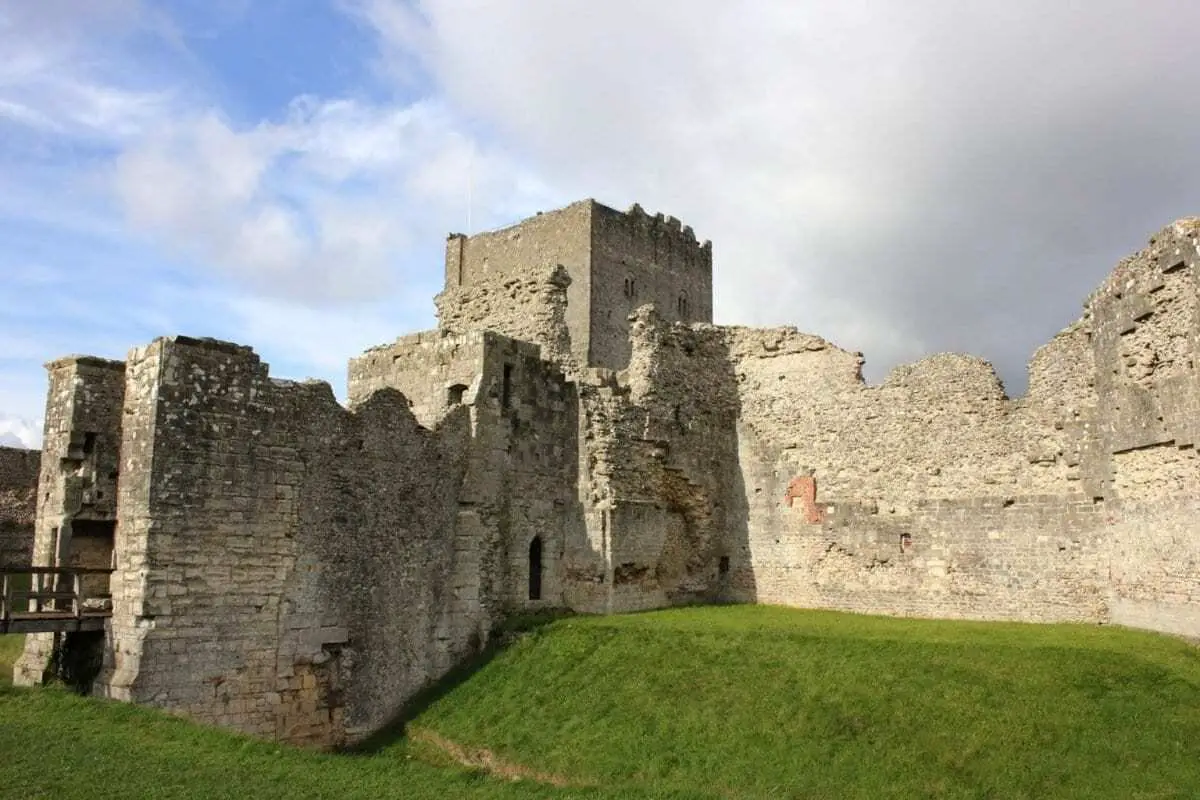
5, 602
77, 590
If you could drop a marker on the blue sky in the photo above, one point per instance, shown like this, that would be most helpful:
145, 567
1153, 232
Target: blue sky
227, 169
283, 174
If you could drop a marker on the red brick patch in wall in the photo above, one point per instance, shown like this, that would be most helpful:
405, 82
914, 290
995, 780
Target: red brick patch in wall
804, 488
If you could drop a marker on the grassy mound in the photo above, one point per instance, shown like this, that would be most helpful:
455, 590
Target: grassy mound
768, 702
54, 744
57, 745
10, 651
716, 702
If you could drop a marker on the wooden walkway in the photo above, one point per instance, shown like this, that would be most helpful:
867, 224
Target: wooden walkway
53, 600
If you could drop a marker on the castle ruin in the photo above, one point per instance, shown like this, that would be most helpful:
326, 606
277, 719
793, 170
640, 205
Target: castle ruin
576, 433
18, 490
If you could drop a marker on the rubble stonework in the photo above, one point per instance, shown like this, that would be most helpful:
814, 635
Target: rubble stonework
18, 505
577, 433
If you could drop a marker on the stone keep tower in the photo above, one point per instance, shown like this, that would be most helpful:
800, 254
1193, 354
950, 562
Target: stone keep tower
617, 262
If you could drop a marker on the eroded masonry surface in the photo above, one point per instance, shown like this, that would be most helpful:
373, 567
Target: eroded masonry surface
576, 433
18, 502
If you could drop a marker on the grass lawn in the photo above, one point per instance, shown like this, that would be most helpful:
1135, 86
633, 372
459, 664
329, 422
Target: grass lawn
712, 702
10, 651
769, 702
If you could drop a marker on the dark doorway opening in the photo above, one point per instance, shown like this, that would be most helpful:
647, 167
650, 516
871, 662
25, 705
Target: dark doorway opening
506, 387
76, 660
535, 568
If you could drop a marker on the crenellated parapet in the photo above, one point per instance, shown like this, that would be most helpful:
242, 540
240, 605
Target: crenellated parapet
668, 234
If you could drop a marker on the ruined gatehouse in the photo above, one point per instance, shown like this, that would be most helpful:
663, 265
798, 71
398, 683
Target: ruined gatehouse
576, 433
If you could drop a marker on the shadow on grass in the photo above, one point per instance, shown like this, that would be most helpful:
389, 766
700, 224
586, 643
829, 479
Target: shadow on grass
510, 630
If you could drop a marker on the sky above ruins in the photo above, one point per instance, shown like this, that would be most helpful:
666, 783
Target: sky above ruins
901, 178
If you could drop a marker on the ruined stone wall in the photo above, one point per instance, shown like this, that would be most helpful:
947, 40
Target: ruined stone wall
931, 494
284, 564
436, 372
522, 460
18, 505
81, 457
533, 307
661, 475
639, 259
1145, 338
525, 251
1032, 558
77, 483
942, 427
295, 570
934, 494
1141, 456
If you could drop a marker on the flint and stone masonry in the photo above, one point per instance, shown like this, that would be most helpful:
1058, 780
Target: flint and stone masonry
576, 433
18, 505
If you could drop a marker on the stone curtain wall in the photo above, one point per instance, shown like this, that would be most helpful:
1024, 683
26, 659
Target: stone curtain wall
931, 494
1036, 558
523, 458
284, 564
437, 373
532, 307
1141, 456
1153, 578
18, 505
939, 428
939, 496
661, 475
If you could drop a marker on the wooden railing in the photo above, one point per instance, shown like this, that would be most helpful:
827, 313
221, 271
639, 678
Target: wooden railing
49, 599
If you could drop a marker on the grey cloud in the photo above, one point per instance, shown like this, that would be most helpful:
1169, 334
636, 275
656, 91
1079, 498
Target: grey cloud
900, 178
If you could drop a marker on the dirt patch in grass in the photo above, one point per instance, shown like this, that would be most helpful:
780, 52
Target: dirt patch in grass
481, 758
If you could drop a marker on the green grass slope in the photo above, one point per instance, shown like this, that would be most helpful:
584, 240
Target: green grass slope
769, 702
54, 744
714, 702
10, 650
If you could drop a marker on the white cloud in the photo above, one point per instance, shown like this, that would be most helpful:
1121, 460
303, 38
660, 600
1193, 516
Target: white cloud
322, 339
24, 115
22, 400
20, 433
899, 177
402, 30
62, 72
316, 208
